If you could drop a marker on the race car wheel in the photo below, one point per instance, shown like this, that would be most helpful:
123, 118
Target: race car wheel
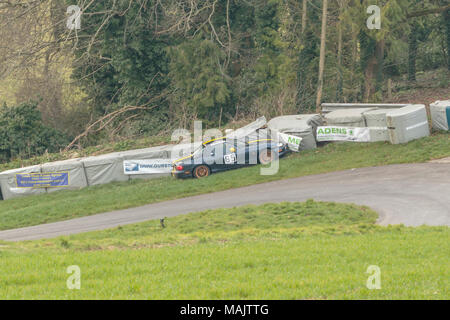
266, 156
201, 171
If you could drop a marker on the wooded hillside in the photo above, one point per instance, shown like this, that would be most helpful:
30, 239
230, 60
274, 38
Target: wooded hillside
144, 67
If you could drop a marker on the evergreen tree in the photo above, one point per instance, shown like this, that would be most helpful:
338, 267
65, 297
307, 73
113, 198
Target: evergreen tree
198, 78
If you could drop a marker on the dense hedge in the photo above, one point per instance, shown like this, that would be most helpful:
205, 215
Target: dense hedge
23, 134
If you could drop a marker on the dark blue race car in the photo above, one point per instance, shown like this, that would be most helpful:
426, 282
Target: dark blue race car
225, 154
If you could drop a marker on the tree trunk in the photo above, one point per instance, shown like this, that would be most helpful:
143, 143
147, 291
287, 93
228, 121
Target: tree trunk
389, 89
323, 37
412, 52
368, 76
446, 16
340, 80
304, 15
380, 65
373, 71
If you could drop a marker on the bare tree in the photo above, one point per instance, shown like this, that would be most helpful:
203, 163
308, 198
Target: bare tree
323, 38
304, 15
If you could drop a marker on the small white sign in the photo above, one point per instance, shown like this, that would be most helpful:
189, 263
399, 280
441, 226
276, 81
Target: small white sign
152, 166
230, 158
331, 133
293, 142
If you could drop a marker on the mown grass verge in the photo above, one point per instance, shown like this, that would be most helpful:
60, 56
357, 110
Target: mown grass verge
332, 157
310, 250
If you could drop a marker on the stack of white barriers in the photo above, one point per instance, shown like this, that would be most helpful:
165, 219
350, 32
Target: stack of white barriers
395, 123
303, 126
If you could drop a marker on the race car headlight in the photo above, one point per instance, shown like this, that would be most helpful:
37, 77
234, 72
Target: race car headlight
280, 145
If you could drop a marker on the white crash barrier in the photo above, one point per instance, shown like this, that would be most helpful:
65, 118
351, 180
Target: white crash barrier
303, 126
347, 117
396, 123
408, 123
95, 170
74, 169
329, 107
440, 115
104, 169
9, 187
376, 121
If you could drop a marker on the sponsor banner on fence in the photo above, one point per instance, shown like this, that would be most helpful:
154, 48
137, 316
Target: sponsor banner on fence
42, 180
331, 133
147, 166
293, 142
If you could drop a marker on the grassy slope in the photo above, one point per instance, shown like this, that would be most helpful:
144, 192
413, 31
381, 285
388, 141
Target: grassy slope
70, 204
276, 251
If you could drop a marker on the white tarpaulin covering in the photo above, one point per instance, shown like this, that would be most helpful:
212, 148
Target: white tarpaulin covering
352, 118
147, 153
329, 107
408, 123
75, 169
104, 169
8, 183
248, 129
440, 115
377, 123
303, 126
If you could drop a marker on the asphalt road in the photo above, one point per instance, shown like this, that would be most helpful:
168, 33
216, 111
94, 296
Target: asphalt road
411, 194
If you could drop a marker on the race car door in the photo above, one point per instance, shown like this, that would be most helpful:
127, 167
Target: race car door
219, 156
230, 156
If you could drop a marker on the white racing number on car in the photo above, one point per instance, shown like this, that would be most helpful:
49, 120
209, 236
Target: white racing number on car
230, 158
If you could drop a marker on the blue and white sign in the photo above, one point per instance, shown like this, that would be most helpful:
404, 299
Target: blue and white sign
42, 180
151, 166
